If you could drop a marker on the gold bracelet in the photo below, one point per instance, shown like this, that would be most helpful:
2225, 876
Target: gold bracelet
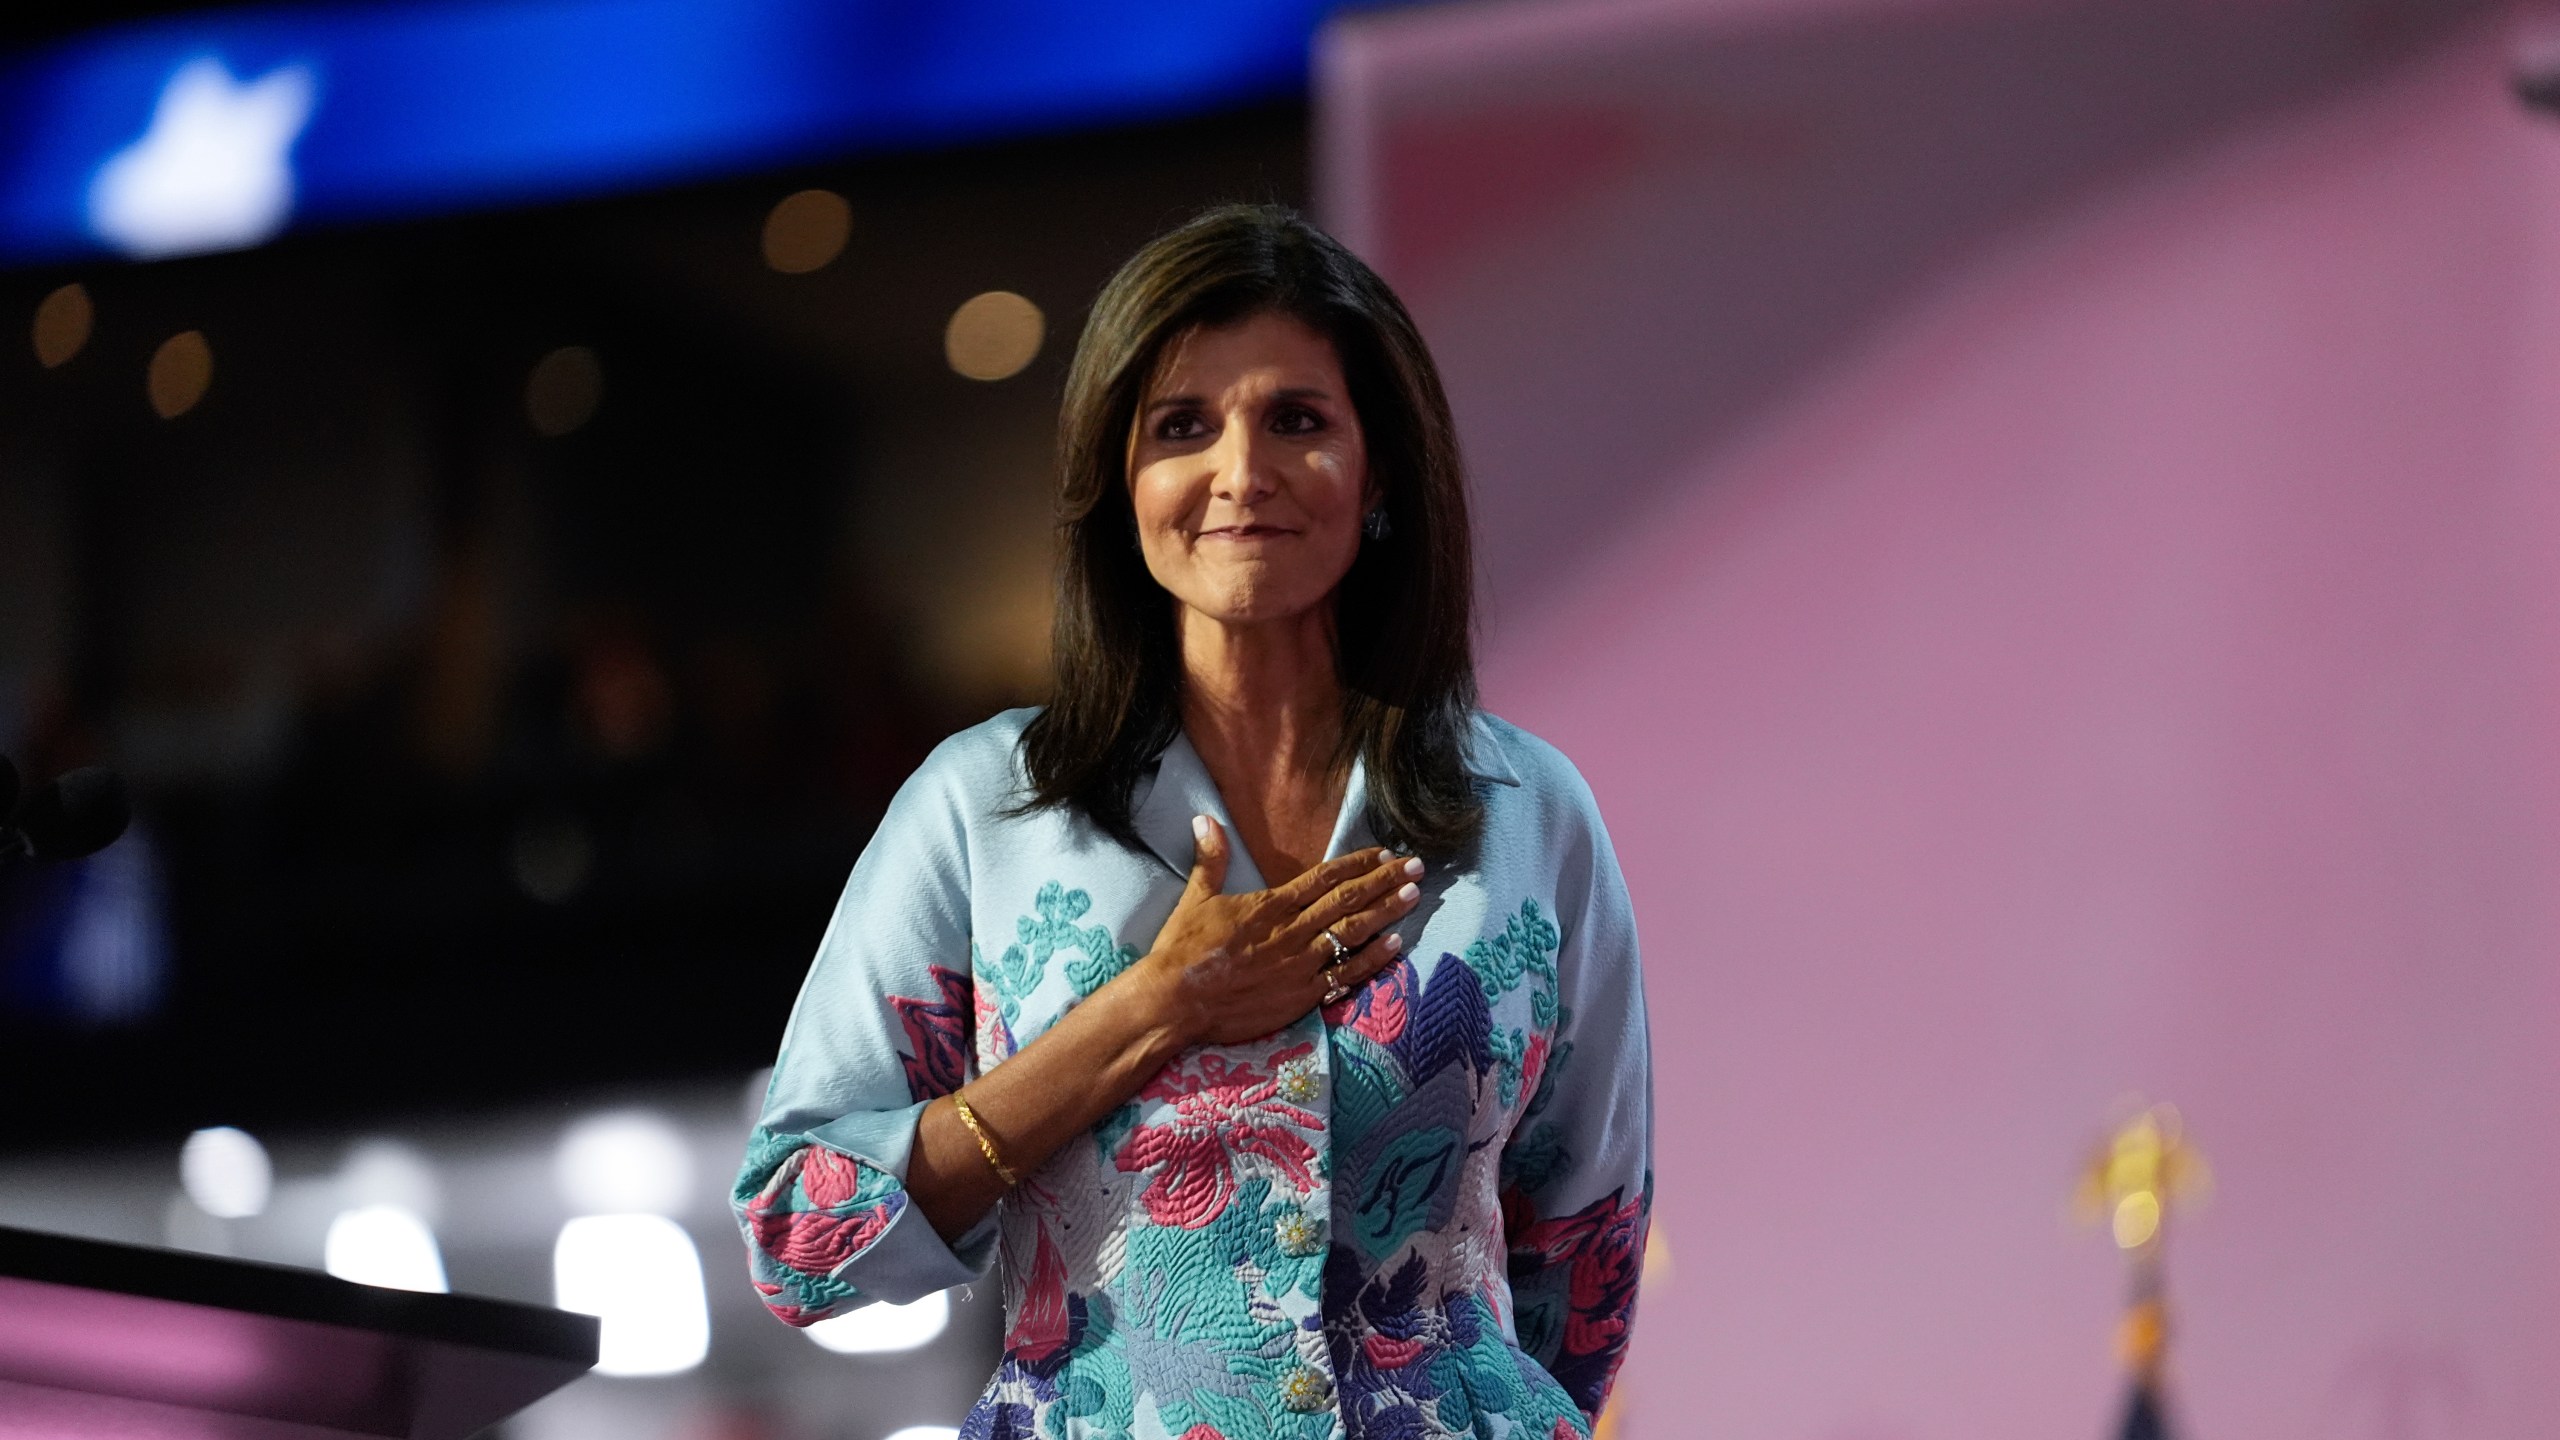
969, 1117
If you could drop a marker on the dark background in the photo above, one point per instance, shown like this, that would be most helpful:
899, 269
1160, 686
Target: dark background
476, 764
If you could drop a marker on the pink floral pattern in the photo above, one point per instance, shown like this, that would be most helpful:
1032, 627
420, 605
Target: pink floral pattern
1225, 1114
1386, 1222
814, 1211
1041, 1324
1599, 1252
937, 1056
995, 1037
1533, 1066
1379, 1009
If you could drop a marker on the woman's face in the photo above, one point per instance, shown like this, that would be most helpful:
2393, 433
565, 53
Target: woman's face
1247, 470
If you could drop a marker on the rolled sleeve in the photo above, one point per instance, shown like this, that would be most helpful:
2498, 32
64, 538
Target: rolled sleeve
882, 1028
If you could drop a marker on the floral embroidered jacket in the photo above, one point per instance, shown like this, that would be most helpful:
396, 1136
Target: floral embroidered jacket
1419, 1212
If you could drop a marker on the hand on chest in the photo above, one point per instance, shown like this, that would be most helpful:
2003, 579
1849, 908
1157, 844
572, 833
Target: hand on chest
1463, 1021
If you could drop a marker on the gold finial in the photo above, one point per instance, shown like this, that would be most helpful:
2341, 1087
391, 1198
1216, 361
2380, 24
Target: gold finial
2134, 1179
2143, 1171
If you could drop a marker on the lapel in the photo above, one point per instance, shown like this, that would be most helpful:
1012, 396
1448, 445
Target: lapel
1181, 788
1485, 757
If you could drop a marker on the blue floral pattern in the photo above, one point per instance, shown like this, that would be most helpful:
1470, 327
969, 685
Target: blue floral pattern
1418, 1213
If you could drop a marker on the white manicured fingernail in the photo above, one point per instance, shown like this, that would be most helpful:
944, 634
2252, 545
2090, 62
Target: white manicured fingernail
1409, 894
1393, 943
1200, 827
1413, 867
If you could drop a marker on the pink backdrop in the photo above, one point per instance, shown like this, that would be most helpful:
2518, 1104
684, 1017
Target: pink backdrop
2038, 522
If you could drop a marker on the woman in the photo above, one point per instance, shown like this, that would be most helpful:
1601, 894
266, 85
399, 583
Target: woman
1279, 1131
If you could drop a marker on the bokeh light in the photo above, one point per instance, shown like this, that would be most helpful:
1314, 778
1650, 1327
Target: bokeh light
63, 321
806, 230
2137, 1219
885, 1329
386, 1245
629, 1161
640, 1275
386, 1172
225, 1171
563, 390
993, 336
181, 371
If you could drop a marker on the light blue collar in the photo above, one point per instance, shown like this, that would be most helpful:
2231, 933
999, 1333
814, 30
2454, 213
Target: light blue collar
1181, 788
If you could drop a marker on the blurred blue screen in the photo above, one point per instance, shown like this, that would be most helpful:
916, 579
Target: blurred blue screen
220, 129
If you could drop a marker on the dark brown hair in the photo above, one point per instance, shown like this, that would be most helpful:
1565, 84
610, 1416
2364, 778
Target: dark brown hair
1406, 663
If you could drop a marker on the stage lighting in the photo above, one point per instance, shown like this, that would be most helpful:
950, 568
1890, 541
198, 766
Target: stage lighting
386, 1245
386, 1172
63, 321
214, 169
215, 126
627, 1162
641, 1275
885, 1329
993, 336
181, 370
806, 230
226, 1172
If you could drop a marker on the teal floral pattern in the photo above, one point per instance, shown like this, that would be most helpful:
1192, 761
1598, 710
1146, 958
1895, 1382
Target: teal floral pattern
807, 1212
1418, 1213
1044, 934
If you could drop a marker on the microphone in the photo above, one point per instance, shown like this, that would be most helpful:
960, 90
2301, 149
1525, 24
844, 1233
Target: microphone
71, 815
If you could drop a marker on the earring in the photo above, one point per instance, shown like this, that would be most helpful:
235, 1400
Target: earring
1374, 525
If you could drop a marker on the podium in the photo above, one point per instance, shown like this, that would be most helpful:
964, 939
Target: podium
121, 1342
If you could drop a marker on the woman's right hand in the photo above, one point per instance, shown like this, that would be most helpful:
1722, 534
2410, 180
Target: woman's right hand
1225, 969
1238, 967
